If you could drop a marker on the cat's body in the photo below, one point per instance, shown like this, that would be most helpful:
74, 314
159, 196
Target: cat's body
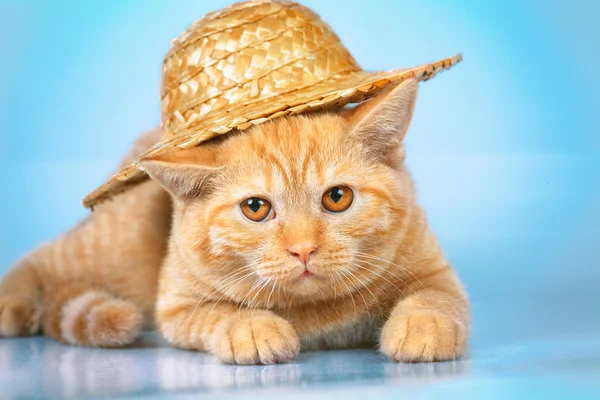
249, 290
116, 252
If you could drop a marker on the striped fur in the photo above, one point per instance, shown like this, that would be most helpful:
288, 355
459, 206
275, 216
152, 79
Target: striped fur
228, 285
96, 284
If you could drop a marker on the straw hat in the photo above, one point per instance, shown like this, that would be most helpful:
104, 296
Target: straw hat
249, 63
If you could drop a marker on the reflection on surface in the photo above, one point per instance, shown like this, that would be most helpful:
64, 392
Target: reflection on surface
40, 367
152, 366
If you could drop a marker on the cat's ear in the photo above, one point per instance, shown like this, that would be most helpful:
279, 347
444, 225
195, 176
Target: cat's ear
381, 123
185, 174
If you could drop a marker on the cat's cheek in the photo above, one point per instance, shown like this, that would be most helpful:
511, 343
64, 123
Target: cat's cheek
366, 227
369, 216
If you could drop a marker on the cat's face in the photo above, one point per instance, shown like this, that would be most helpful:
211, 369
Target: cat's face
300, 205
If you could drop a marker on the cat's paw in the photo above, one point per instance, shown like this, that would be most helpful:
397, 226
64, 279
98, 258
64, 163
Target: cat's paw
18, 317
422, 336
114, 323
257, 340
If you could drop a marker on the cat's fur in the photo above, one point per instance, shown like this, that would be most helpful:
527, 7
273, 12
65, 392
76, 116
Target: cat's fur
215, 281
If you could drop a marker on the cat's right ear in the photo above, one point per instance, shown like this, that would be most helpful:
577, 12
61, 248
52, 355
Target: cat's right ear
185, 174
381, 123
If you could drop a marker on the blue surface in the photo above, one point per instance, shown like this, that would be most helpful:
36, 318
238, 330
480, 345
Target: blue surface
505, 149
34, 368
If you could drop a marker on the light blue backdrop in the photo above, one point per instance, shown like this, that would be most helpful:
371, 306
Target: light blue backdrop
505, 147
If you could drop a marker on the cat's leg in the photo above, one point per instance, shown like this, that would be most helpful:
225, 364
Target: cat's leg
91, 285
234, 335
20, 300
431, 323
80, 314
69, 311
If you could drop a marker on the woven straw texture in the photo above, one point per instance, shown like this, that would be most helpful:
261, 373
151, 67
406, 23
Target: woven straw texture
249, 63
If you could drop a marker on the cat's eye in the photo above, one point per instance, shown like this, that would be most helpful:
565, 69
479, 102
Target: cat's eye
338, 199
256, 209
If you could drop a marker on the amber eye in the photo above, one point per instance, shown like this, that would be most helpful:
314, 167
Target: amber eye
338, 198
256, 209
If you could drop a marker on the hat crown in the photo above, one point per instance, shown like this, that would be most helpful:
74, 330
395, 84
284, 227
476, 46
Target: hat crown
246, 52
249, 63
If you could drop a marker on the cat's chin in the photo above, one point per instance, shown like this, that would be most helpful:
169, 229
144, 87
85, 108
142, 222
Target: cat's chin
307, 284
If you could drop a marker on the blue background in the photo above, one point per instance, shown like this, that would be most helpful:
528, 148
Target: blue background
504, 147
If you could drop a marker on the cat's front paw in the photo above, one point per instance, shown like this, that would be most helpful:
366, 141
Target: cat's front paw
18, 317
421, 336
257, 340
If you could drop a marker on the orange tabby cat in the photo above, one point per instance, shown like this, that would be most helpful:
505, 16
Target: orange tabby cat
301, 233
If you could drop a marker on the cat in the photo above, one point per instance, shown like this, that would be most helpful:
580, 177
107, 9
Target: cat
299, 233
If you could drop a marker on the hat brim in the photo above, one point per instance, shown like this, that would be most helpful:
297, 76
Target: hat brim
333, 92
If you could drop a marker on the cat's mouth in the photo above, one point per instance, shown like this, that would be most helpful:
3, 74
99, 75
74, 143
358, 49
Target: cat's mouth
307, 274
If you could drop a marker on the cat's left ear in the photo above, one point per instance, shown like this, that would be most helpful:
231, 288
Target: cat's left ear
186, 174
381, 123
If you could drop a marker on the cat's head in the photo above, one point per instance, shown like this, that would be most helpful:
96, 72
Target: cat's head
300, 205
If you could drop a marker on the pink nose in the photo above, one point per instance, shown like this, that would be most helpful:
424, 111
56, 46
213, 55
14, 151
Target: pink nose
302, 251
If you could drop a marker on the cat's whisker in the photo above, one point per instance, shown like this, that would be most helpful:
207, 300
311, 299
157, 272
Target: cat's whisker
291, 300
208, 298
323, 295
228, 278
249, 292
271, 294
357, 289
231, 285
204, 299
379, 275
280, 290
334, 289
382, 269
390, 295
254, 287
373, 295
350, 293
388, 271
402, 269
255, 298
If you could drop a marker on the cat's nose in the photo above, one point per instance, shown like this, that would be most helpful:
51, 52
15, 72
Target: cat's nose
303, 251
